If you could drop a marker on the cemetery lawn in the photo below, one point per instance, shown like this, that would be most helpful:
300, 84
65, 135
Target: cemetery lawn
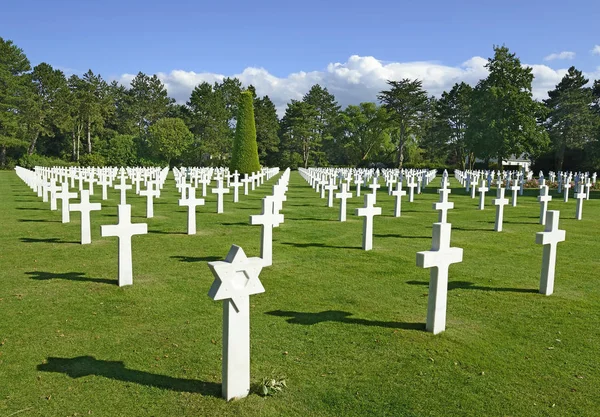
344, 327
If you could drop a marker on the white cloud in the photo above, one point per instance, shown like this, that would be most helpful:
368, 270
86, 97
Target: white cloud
358, 79
560, 55
596, 50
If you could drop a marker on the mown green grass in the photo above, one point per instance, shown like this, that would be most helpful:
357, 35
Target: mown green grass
345, 326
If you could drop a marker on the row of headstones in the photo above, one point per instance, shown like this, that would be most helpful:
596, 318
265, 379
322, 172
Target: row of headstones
565, 180
442, 255
236, 344
124, 229
583, 193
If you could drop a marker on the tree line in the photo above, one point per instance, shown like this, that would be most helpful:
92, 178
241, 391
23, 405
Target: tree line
48, 118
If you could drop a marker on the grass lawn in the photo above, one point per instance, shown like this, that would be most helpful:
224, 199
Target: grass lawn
344, 326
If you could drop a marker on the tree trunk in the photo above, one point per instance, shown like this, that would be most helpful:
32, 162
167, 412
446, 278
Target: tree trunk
560, 157
32, 144
74, 155
3, 156
89, 135
400, 156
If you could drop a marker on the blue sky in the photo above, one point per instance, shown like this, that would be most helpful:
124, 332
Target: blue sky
207, 40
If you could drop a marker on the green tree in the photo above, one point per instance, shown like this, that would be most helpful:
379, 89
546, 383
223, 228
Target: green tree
300, 143
210, 125
147, 101
121, 151
267, 129
571, 120
327, 111
453, 112
362, 134
504, 117
13, 87
44, 104
406, 101
244, 157
169, 138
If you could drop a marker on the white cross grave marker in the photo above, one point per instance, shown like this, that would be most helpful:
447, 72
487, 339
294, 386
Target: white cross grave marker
84, 206
64, 195
124, 230
439, 259
219, 191
544, 198
236, 279
268, 219
123, 187
368, 211
330, 187
191, 202
443, 205
499, 202
398, 193
515, 189
150, 192
343, 196
550, 237
580, 196
482, 190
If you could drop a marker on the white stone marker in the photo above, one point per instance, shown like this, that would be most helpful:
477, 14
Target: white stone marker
64, 195
374, 186
123, 187
330, 187
236, 188
236, 279
550, 237
515, 189
566, 186
499, 202
150, 192
53, 188
482, 190
439, 259
84, 206
398, 193
368, 211
268, 219
580, 196
191, 202
219, 191
411, 189
124, 230
443, 205
343, 196
544, 198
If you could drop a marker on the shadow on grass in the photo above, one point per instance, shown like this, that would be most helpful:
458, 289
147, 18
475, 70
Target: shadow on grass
197, 259
464, 229
465, 285
31, 208
70, 276
88, 365
308, 319
162, 232
38, 221
236, 224
318, 245
310, 219
46, 240
401, 237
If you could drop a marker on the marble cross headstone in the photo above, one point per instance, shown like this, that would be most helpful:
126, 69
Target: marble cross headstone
550, 237
64, 195
368, 211
123, 187
330, 187
219, 191
236, 279
439, 259
268, 219
85, 207
482, 190
580, 196
411, 188
124, 230
343, 196
515, 189
566, 187
191, 202
544, 198
150, 192
499, 202
444, 205
398, 193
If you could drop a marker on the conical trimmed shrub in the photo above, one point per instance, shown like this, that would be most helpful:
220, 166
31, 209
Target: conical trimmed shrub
244, 157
